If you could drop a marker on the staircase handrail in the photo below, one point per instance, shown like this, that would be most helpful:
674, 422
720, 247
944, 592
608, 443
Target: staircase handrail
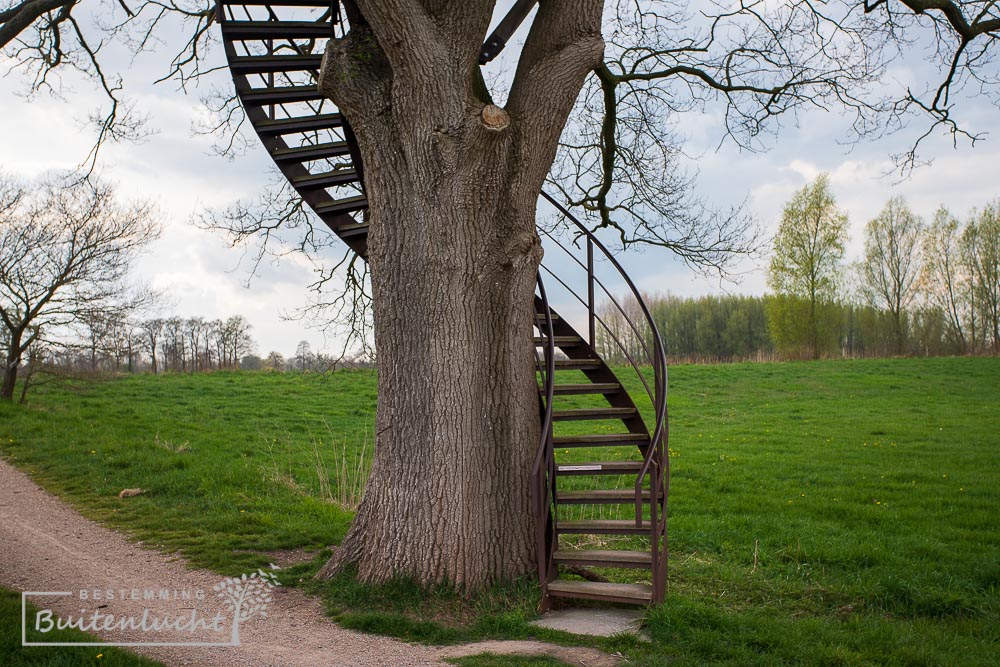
657, 360
541, 473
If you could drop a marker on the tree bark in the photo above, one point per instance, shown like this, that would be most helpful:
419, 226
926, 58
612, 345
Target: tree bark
454, 252
11, 365
9, 380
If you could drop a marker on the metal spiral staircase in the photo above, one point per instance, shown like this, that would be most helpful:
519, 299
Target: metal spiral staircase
601, 475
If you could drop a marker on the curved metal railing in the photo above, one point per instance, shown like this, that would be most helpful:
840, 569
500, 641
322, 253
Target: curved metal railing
543, 470
656, 459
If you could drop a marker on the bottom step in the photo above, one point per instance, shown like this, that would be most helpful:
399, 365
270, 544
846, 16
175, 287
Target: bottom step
592, 590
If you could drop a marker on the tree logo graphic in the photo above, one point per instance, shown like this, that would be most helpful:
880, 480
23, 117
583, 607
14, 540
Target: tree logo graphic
246, 597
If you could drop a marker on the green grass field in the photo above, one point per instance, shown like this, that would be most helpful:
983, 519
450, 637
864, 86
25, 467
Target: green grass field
839, 512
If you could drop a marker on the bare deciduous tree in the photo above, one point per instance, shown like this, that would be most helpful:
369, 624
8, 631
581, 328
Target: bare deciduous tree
152, 331
983, 255
944, 275
891, 264
65, 252
234, 339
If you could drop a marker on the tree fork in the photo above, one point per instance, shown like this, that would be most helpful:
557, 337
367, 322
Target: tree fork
452, 182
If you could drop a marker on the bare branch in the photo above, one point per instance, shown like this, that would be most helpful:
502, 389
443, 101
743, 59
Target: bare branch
65, 253
278, 225
17, 19
756, 62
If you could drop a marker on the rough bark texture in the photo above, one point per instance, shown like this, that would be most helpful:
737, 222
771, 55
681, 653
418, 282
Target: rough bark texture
11, 364
453, 252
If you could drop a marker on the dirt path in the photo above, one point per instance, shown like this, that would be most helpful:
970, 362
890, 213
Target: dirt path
46, 546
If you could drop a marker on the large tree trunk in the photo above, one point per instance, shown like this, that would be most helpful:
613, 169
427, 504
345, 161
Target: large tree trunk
452, 185
9, 379
457, 418
11, 364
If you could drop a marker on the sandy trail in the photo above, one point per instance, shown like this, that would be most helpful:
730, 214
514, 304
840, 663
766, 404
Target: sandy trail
47, 546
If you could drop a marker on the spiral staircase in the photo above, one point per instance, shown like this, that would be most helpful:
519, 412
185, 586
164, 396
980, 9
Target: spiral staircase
600, 477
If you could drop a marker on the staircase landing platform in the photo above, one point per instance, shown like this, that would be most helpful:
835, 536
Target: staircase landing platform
592, 621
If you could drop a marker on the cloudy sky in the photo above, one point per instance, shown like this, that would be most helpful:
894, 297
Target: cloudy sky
206, 276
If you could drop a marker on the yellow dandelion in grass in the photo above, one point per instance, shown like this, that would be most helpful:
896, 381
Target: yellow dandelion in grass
961, 489
100, 655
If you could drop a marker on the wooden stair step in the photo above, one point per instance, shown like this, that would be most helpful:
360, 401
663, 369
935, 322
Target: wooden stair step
593, 413
560, 341
603, 557
347, 205
599, 497
281, 95
541, 315
352, 231
587, 388
602, 527
578, 364
326, 180
600, 468
601, 440
271, 64
265, 30
312, 152
326, 121
593, 590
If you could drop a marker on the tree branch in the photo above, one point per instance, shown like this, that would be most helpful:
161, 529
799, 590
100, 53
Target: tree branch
563, 45
17, 19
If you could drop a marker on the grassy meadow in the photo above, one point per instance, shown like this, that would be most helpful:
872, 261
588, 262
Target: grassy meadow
835, 512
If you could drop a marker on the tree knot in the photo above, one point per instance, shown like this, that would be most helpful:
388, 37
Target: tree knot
494, 118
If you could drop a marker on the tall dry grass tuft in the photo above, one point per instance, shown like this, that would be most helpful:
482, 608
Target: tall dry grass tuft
334, 469
351, 465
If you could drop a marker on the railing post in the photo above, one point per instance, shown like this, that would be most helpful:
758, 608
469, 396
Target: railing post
657, 372
272, 111
590, 294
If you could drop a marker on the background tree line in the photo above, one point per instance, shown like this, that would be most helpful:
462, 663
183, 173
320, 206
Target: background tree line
920, 288
159, 344
119, 342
